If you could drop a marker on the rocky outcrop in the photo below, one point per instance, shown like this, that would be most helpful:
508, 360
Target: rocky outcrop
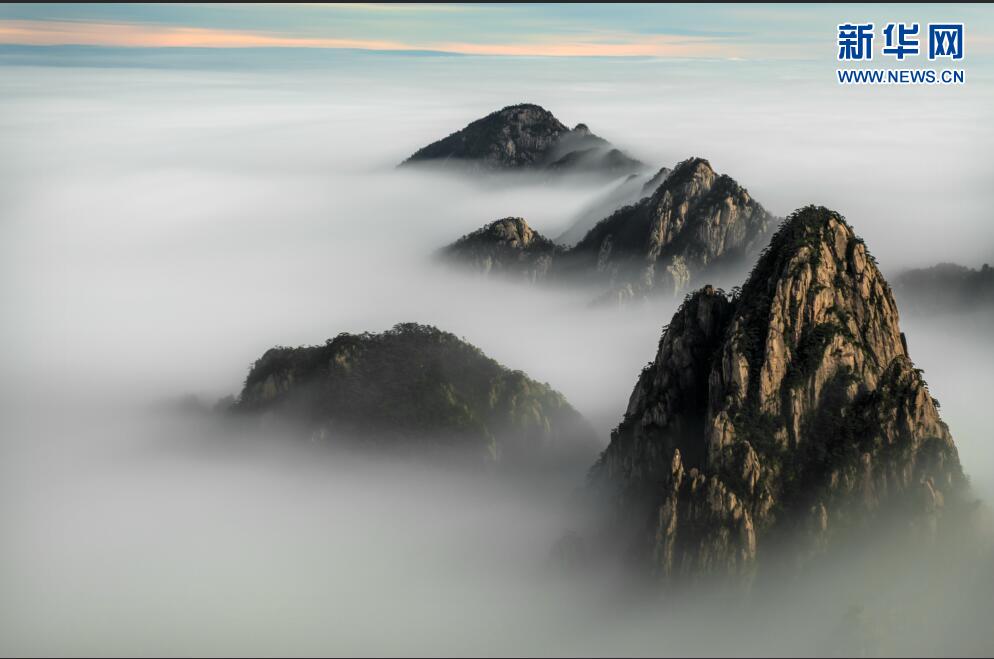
790, 409
505, 247
945, 288
416, 390
527, 136
695, 222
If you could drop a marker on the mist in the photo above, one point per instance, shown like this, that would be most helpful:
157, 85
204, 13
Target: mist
162, 226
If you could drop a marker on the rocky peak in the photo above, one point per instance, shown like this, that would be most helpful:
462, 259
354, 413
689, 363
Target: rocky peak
507, 246
695, 220
527, 119
527, 136
790, 409
815, 307
691, 177
513, 231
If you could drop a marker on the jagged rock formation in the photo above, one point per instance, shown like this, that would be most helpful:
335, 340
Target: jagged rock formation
695, 225
508, 247
527, 136
418, 390
694, 222
789, 410
945, 288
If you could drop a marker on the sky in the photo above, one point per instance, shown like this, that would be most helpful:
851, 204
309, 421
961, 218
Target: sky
773, 32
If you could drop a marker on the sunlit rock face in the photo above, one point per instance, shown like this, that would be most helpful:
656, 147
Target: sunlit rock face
526, 136
790, 409
506, 247
694, 222
416, 390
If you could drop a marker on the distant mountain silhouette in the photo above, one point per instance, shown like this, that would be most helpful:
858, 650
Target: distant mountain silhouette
526, 136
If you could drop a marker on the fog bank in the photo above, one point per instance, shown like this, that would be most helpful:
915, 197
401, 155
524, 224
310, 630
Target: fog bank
161, 228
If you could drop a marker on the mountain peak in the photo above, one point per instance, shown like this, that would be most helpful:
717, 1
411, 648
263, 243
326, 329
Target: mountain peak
693, 220
694, 164
815, 288
417, 390
695, 177
527, 136
525, 106
790, 407
528, 113
506, 246
514, 231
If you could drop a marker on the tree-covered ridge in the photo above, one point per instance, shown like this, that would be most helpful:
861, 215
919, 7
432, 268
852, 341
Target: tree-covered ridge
414, 385
946, 287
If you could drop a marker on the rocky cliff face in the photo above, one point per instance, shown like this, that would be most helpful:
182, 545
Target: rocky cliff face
527, 136
790, 409
506, 247
693, 223
416, 390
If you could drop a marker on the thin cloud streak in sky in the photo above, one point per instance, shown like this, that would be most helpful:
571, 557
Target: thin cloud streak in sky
51, 33
384, 6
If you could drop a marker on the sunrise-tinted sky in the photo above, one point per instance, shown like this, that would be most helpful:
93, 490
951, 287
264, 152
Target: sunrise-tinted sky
685, 31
